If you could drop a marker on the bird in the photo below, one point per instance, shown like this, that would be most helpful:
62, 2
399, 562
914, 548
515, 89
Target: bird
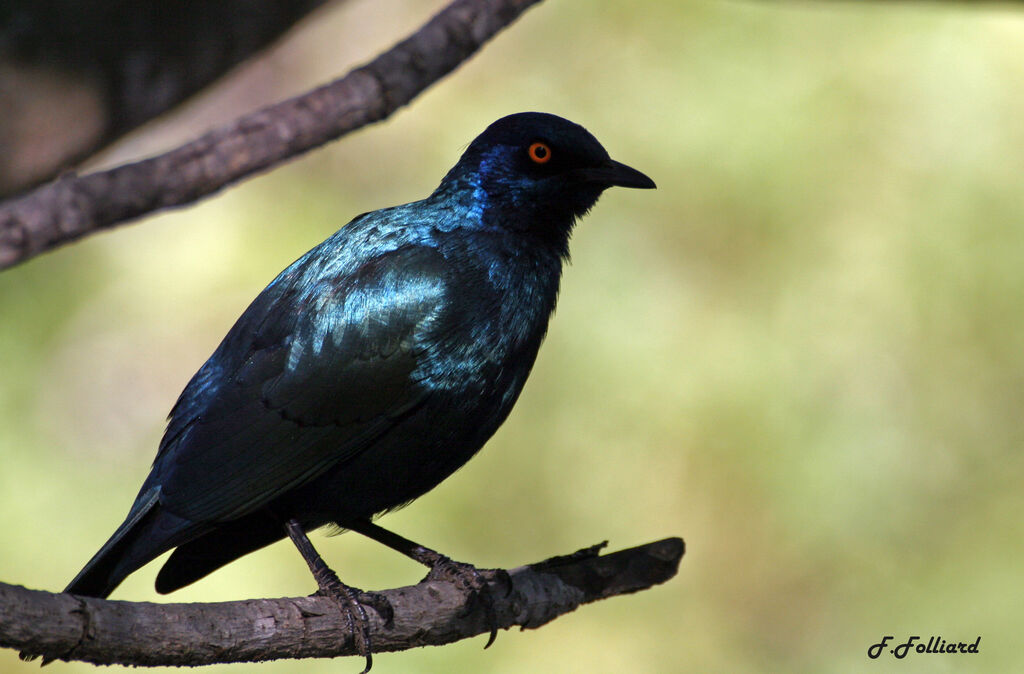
369, 370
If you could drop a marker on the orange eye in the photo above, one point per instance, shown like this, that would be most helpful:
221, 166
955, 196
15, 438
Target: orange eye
540, 153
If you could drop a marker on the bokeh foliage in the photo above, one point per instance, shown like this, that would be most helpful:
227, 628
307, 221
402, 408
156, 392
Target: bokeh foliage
802, 353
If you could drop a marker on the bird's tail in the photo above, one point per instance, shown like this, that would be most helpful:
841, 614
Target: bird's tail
208, 552
147, 532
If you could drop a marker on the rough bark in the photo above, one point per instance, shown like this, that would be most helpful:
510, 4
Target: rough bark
74, 206
65, 627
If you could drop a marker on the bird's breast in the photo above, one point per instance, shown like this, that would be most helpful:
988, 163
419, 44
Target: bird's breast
496, 311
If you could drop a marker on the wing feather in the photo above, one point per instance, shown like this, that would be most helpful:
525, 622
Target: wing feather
310, 375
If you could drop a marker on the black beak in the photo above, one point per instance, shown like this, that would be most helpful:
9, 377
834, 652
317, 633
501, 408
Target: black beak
615, 173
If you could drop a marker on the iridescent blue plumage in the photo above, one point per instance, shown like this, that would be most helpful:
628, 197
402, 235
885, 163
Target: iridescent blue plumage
372, 367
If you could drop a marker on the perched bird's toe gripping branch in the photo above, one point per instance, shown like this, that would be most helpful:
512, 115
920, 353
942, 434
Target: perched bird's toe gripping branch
431, 613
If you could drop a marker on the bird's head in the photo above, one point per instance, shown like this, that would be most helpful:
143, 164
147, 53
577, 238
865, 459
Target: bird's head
535, 172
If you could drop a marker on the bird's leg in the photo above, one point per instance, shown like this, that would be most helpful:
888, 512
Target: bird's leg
350, 598
475, 582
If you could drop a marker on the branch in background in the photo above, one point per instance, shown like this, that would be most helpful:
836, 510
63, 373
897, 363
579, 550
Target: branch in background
75, 76
74, 206
65, 627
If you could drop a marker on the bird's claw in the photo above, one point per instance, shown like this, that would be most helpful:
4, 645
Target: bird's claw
476, 584
380, 604
500, 577
352, 601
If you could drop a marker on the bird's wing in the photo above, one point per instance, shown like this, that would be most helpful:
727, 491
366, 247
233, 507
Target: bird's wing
311, 374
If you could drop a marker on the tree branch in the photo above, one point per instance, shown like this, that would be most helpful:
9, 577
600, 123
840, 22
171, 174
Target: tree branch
65, 627
74, 206
75, 76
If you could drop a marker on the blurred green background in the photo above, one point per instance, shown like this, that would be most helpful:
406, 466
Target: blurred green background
802, 353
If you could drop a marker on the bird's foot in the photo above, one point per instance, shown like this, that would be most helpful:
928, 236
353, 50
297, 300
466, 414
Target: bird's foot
475, 583
380, 604
352, 602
